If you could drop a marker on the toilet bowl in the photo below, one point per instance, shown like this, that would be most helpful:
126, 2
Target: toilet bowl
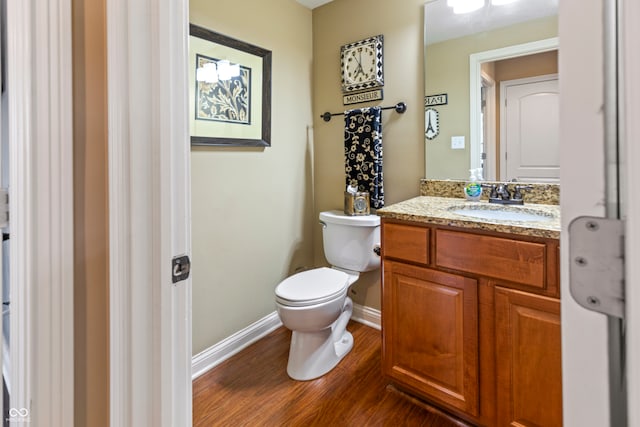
314, 304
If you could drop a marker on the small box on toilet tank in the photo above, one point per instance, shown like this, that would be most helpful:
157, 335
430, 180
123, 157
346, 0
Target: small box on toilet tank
356, 203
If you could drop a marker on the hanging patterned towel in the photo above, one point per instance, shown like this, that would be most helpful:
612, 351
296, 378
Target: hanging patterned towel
363, 152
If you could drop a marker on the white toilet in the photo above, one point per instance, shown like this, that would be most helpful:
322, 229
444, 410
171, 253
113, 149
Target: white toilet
314, 303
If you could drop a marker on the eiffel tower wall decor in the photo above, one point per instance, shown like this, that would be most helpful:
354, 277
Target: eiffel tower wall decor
432, 123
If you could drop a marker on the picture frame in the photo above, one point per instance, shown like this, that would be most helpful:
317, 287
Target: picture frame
229, 110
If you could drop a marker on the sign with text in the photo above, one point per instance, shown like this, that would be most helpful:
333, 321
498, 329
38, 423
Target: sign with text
431, 100
354, 98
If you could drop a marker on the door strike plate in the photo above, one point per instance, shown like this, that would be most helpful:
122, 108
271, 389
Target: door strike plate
180, 268
596, 251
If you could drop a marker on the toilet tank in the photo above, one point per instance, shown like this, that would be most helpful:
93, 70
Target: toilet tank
349, 241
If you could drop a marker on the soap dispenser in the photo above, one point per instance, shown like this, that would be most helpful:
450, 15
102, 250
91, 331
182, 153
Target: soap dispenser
473, 188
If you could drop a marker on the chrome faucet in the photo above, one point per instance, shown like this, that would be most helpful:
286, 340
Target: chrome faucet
517, 195
499, 193
503, 192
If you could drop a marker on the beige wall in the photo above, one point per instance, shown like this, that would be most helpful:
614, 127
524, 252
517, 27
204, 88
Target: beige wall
345, 21
252, 209
447, 71
91, 272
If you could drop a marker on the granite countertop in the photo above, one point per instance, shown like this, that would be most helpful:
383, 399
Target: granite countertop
439, 211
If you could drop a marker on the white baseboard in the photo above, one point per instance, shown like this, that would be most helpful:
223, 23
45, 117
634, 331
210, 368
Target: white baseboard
367, 316
218, 353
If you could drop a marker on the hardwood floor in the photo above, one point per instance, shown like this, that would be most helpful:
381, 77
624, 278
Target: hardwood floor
252, 389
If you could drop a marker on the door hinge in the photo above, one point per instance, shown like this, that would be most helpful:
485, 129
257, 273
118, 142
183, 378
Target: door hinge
596, 253
180, 268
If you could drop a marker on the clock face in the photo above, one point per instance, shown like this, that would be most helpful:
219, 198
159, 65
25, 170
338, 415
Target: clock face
361, 64
360, 204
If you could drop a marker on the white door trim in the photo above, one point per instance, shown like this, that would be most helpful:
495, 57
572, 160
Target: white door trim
630, 37
41, 211
475, 71
489, 169
149, 213
585, 358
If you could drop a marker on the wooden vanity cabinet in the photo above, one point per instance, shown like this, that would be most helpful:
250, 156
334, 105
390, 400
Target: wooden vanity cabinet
528, 369
471, 322
431, 338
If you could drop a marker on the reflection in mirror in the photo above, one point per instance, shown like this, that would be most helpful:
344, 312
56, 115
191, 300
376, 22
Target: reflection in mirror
482, 60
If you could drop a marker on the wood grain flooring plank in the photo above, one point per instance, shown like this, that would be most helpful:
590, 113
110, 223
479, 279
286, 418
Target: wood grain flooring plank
252, 389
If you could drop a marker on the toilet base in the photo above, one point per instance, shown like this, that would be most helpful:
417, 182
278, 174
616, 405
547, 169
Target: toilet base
313, 354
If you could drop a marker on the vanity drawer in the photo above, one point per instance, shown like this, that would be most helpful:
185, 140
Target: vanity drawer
501, 258
406, 242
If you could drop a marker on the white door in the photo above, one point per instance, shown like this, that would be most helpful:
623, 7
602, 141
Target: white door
596, 182
4, 139
631, 209
530, 129
149, 203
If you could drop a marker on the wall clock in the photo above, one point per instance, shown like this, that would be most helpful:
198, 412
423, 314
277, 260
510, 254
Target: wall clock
361, 64
432, 124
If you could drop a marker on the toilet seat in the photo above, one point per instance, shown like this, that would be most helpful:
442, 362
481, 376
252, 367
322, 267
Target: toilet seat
312, 287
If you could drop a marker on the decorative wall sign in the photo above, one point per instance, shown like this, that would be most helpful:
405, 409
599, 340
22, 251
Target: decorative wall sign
372, 95
361, 63
431, 123
432, 100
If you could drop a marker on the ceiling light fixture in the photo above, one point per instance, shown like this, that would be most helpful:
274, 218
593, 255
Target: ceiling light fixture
208, 73
227, 70
211, 72
501, 2
465, 6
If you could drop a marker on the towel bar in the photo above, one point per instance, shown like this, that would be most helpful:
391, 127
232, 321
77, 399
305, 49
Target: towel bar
400, 107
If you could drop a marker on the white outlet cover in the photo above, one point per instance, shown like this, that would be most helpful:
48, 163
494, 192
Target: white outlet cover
457, 142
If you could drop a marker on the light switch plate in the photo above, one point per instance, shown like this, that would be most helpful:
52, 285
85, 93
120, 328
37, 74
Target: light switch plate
457, 142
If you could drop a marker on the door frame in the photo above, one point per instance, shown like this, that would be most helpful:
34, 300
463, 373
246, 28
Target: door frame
489, 127
584, 183
41, 210
149, 212
503, 113
630, 36
475, 85
585, 398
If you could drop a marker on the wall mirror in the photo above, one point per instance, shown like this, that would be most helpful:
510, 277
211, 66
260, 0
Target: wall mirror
483, 60
229, 91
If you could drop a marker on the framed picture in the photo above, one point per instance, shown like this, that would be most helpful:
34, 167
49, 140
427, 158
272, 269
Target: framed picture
229, 91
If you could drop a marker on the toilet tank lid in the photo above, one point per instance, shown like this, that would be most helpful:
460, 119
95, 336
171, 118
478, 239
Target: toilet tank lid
339, 217
313, 284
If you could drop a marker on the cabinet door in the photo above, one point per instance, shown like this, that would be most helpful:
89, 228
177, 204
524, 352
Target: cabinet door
430, 333
528, 359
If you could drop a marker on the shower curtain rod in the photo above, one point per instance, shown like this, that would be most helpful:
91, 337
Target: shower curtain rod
400, 107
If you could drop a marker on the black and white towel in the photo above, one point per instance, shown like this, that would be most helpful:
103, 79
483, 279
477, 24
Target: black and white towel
363, 152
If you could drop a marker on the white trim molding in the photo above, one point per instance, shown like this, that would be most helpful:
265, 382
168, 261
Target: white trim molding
367, 316
149, 213
630, 132
218, 353
41, 210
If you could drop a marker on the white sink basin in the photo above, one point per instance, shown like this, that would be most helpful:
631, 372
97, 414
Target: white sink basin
500, 213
